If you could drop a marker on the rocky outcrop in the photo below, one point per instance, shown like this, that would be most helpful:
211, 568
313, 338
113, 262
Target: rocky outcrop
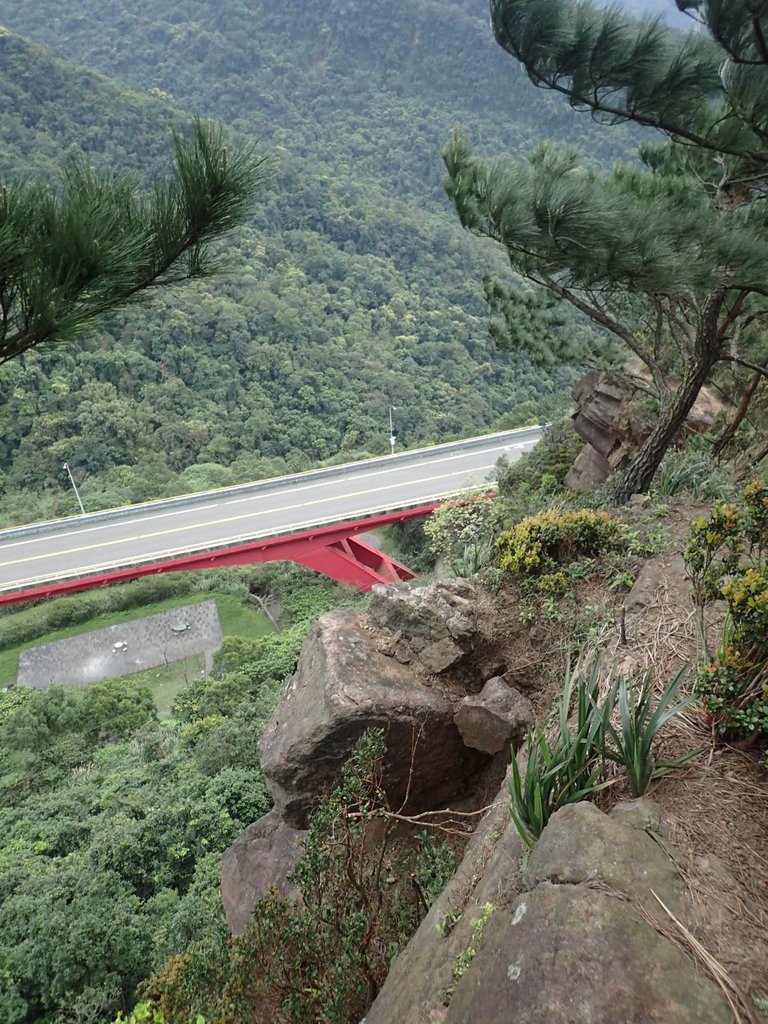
399, 668
442, 627
583, 846
614, 419
495, 718
661, 581
417, 987
569, 939
260, 859
576, 955
344, 685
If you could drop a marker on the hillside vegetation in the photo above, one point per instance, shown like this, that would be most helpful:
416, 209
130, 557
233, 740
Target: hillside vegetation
352, 289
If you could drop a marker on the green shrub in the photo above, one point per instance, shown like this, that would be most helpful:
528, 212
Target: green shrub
461, 529
103, 712
544, 468
255, 663
546, 540
324, 955
146, 1013
727, 559
474, 557
407, 542
236, 654
306, 603
19, 625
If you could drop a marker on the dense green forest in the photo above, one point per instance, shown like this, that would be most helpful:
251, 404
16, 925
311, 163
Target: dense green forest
112, 822
353, 272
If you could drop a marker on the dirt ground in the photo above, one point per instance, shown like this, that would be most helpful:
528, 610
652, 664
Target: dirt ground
717, 808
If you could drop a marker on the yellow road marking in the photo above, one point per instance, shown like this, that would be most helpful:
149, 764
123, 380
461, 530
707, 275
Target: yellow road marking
229, 519
85, 571
501, 436
159, 512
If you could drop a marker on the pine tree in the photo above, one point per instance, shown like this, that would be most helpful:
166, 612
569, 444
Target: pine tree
669, 256
71, 254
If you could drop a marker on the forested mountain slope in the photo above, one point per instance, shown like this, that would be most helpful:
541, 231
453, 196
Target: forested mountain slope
367, 88
353, 288
49, 108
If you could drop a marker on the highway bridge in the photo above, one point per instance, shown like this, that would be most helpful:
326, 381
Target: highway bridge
313, 518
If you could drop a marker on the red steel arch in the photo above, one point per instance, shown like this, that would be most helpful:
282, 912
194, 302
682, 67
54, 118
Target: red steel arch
334, 551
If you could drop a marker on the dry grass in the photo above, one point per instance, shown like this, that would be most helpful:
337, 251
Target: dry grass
683, 937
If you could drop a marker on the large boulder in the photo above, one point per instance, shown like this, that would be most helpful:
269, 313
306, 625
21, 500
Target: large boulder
439, 626
344, 685
495, 718
260, 859
581, 946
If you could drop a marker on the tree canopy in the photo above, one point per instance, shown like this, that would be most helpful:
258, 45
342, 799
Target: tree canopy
669, 255
70, 255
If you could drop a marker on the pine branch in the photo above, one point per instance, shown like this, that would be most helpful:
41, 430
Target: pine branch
740, 361
623, 69
67, 258
610, 323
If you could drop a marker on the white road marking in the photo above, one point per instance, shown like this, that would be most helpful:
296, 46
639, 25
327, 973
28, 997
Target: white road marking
350, 477
192, 507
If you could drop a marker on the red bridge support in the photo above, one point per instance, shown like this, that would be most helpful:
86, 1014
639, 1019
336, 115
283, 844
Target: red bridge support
352, 561
334, 551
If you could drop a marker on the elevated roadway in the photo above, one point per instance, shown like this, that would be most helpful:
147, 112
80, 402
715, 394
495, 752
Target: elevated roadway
159, 532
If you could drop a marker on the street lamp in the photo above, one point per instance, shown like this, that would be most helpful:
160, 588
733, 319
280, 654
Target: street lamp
74, 486
392, 435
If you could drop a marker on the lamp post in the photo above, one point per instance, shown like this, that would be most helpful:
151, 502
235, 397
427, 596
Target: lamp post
74, 486
392, 435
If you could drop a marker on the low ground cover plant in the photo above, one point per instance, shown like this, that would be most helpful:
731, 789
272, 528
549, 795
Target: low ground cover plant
570, 763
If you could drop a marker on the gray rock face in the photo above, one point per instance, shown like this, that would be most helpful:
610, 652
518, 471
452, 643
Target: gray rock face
568, 941
578, 948
494, 718
259, 859
344, 685
581, 845
435, 625
572, 955
643, 814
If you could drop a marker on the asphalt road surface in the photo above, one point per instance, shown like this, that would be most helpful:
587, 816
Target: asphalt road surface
86, 545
